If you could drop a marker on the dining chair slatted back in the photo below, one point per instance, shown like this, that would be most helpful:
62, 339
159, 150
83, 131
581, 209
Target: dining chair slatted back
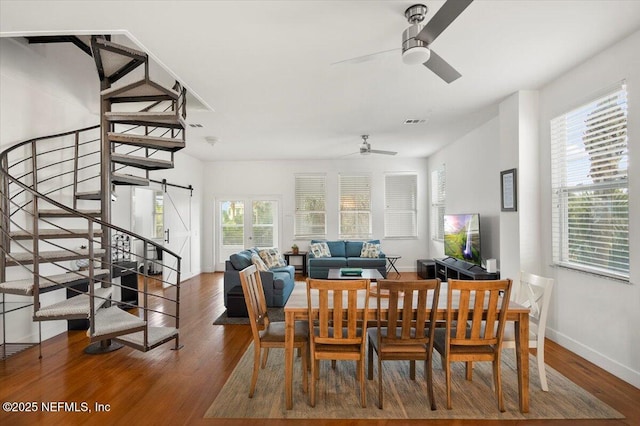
482, 308
254, 299
407, 334
267, 334
338, 311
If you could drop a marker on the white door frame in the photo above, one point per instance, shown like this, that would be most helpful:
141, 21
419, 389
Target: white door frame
248, 200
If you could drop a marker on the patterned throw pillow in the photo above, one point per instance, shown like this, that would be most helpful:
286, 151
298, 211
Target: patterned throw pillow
320, 250
370, 250
272, 258
260, 265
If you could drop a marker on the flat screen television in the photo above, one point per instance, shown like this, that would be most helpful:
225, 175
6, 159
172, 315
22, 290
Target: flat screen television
462, 237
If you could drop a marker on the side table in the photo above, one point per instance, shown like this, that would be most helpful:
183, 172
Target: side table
392, 259
301, 254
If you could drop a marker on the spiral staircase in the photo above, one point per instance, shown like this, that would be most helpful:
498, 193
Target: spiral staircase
55, 211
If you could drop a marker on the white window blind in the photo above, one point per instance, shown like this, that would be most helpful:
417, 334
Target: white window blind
355, 206
590, 201
438, 201
311, 216
400, 210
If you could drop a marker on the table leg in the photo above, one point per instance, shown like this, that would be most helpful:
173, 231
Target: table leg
289, 320
522, 360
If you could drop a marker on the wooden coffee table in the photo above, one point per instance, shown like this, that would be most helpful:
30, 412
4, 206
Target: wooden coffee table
368, 274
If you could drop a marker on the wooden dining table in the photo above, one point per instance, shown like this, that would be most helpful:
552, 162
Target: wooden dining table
296, 310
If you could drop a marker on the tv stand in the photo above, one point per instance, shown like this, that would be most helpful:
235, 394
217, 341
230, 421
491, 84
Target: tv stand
450, 267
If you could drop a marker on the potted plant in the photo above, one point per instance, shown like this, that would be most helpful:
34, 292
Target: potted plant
294, 249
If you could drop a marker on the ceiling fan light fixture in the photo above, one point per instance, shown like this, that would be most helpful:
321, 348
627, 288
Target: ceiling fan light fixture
416, 55
414, 51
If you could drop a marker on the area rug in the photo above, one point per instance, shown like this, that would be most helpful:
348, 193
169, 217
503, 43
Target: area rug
337, 393
275, 314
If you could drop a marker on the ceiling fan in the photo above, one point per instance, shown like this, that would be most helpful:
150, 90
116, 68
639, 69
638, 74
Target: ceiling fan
417, 39
365, 148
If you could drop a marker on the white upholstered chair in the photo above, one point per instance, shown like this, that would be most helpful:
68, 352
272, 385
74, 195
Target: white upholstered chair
533, 292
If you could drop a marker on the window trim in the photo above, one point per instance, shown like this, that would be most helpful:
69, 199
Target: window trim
438, 202
410, 195
342, 235
323, 178
562, 187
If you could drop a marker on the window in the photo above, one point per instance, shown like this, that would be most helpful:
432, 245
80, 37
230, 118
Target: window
311, 218
438, 198
590, 187
355, 206
400, 205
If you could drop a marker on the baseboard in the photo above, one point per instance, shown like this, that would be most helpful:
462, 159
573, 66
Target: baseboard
610, 365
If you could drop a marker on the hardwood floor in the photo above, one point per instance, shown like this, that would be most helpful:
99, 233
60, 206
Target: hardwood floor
176, 387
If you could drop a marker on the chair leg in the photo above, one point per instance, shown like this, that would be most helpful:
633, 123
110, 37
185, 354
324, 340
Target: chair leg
469, 370
541, 369
370, 362
380, 395
498, 383
412, 369
363, 384
447, 374
333, 364
256, 369
312, 385
264, 357
428, 372
305, 375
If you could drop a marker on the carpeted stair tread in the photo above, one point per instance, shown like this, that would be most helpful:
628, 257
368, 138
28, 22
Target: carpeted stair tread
54, 233
156, 335
153, 142
126, 179
113, 320
74, 307
52, 256
142, 162
25, 287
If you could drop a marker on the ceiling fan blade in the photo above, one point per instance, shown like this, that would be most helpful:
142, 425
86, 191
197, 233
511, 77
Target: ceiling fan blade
377, 151
441, 20
364, 58
442, 68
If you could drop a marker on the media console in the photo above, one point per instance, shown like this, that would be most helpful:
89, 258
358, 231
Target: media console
460, 270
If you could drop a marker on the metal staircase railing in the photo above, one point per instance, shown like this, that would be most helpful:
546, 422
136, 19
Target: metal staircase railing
47, 187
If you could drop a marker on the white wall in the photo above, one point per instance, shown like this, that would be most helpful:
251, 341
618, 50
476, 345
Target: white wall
473, 184
225, 179
596, 317
46, 89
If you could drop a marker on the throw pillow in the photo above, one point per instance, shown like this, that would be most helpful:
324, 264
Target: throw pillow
370, 250
320, 250
260, 265
272, 258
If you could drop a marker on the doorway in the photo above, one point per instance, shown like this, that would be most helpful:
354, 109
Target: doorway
245, 222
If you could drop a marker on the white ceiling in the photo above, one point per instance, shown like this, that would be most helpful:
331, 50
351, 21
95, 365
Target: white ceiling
265, 68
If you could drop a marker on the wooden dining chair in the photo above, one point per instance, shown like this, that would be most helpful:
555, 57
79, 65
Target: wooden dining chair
338, 312
480, 307
534, 292
407, 334
267, 334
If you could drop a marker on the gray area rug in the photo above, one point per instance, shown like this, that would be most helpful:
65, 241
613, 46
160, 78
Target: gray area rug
337, 393
275, 314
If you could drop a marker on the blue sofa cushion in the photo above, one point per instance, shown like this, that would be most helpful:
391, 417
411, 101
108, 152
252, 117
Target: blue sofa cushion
329, 262
354, 248
337, 248
241, 260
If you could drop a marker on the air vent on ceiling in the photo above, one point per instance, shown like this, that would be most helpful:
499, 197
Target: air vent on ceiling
195, 125
414, 121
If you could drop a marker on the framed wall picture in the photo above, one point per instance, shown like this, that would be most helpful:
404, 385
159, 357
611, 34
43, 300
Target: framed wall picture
509, 190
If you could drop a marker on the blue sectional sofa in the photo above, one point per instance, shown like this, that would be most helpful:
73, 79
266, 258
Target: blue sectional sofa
277, 282
344, 254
